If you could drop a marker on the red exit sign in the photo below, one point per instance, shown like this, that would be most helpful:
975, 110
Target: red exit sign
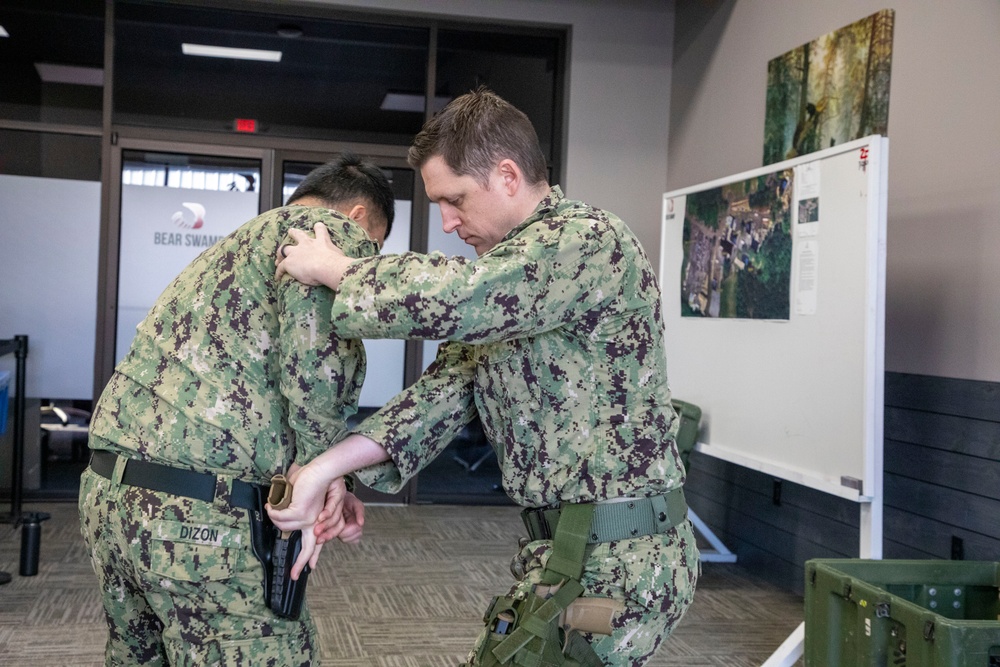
246, 125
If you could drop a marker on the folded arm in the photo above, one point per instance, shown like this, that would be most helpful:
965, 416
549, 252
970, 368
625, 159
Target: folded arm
319, 485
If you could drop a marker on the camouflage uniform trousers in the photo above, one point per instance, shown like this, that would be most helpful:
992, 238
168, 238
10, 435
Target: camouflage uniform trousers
654, 575
180, 583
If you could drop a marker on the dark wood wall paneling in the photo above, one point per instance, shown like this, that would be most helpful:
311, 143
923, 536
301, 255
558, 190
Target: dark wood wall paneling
942, 467
942, 484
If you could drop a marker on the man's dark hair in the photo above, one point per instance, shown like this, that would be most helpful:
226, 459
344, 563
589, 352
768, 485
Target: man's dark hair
475, 132
348, 178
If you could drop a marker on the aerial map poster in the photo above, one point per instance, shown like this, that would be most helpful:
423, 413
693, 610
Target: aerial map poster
738, 249
832, 90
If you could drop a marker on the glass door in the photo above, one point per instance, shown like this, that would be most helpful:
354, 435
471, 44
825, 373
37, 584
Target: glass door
175, 199
467, 472
174, 206
387, 359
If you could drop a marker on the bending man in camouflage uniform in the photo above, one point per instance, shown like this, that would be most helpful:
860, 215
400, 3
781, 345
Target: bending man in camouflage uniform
556, 342
232, 377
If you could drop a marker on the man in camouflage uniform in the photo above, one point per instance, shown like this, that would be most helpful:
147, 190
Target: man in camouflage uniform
556, 342
232, 378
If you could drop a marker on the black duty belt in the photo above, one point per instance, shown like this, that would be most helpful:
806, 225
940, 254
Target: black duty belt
618, 519
167, 479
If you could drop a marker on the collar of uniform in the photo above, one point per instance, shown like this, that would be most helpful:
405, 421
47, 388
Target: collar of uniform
548, 204
350, 231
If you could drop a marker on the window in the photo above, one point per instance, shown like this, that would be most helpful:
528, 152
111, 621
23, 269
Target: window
329, 82
48, 76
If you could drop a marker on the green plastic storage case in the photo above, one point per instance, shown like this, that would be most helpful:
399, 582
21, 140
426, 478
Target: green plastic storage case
902, 613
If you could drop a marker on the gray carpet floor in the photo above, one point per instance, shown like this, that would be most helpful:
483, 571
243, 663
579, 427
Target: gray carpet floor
410, 595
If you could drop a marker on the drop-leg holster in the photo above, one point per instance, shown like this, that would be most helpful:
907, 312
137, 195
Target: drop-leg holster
525, 629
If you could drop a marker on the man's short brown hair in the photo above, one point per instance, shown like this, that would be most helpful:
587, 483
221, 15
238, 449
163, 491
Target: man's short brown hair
475, 132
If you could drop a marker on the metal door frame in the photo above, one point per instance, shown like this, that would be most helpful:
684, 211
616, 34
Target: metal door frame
272, 153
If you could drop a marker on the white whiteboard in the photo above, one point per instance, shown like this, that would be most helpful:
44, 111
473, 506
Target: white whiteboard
799, 399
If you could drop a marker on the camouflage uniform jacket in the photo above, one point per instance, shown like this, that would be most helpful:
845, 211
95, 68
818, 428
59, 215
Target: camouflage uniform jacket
558, 346
234, 373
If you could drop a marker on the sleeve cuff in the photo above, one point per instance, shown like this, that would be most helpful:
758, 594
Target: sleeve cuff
382, 477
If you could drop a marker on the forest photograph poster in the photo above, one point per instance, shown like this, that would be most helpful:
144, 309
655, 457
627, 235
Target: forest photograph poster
832, 90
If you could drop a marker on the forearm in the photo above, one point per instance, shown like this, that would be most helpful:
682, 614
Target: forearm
350, 454
500, 296
331, 271
417, 424
314, 483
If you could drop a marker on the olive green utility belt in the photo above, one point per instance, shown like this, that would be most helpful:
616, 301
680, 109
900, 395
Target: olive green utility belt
616, 520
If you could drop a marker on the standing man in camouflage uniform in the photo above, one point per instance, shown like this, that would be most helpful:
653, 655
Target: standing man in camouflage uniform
232, 378
556, 342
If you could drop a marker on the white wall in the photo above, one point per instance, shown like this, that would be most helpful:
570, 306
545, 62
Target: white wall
943, 271
49, 231
619, 94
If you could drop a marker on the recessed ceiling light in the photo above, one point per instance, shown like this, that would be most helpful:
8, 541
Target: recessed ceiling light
3, 33
229, 52
80, 76
410, 102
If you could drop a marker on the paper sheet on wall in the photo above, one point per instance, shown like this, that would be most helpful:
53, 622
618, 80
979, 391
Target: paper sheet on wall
807, 190
807, 276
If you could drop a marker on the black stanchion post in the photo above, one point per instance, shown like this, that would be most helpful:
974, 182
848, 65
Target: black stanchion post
31, 535
17, 457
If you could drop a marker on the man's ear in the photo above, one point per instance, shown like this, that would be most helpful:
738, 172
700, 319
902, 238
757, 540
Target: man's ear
359, 214
510, 175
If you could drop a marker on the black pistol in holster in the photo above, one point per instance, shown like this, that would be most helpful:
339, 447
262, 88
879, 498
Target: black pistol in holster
277, 551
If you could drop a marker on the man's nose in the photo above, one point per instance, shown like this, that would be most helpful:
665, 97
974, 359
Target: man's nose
449, 221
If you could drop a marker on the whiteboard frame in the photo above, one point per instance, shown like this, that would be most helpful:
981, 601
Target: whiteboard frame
870, 496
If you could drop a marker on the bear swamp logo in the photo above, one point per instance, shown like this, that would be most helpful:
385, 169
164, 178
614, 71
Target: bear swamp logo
193, 218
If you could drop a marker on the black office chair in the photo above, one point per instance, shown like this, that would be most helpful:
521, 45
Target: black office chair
63, 437
687, 434
686, 440
471, 449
